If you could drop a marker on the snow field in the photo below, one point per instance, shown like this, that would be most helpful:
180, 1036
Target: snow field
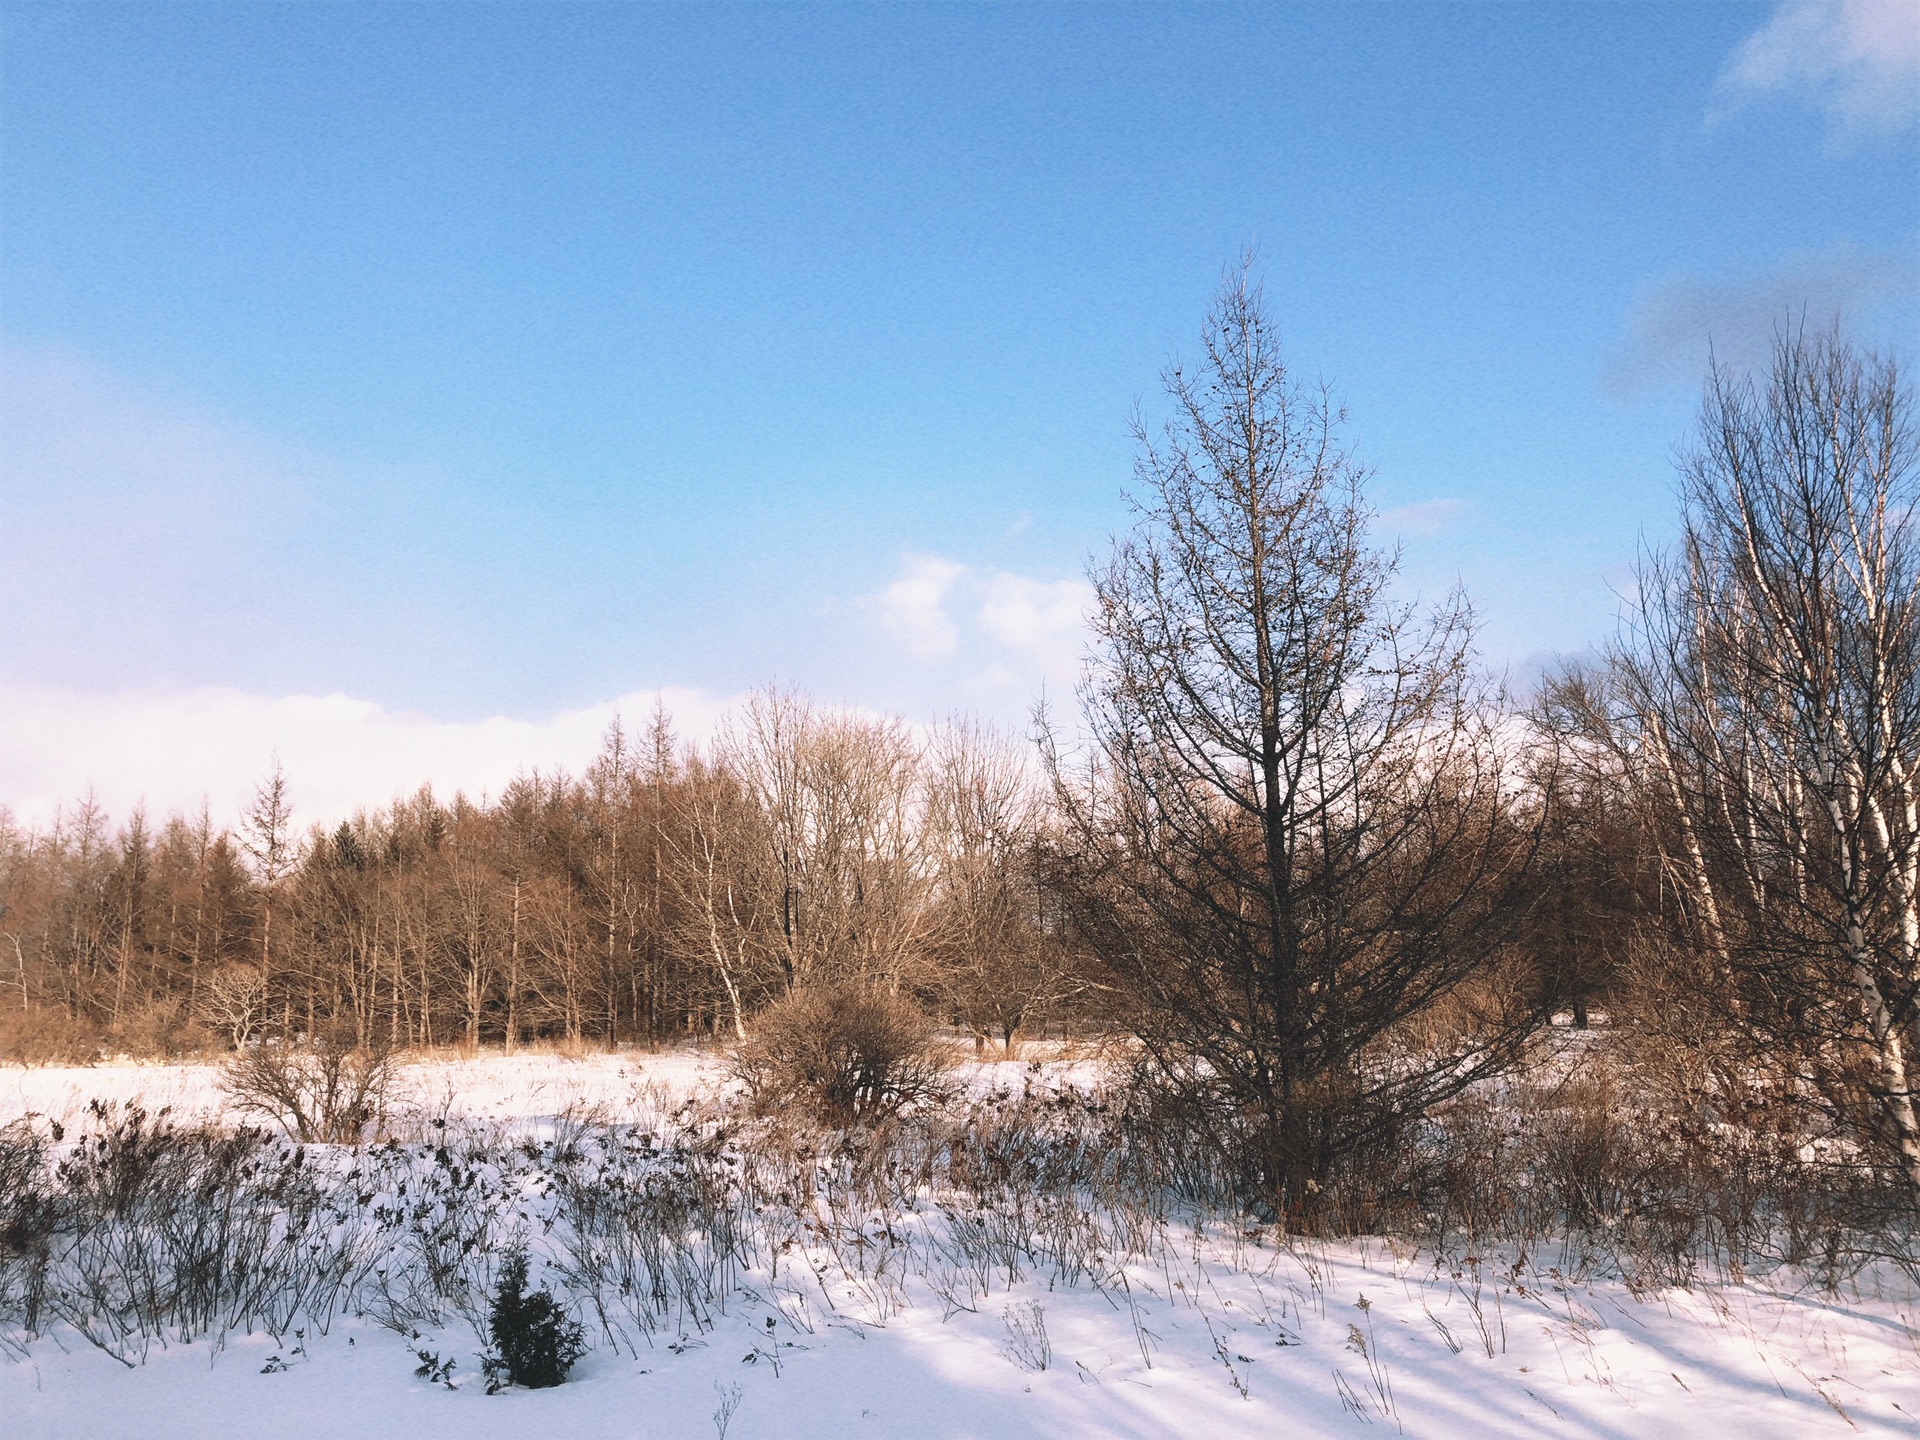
894, 1325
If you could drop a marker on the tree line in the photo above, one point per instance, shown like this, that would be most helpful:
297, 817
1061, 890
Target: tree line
668, 891
1322, 870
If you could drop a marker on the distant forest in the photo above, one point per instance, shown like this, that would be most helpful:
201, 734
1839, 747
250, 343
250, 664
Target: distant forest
664, 893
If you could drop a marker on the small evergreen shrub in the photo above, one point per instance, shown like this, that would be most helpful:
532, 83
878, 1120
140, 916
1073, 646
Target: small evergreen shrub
432, 1368
534, 1343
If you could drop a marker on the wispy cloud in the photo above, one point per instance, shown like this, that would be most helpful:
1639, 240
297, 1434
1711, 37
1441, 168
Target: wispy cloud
1424, 517
120, 520
1673, 325
174, 749
1859, 60
149, 540
144, 540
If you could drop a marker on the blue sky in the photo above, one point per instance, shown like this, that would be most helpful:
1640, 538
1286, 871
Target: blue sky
480, 366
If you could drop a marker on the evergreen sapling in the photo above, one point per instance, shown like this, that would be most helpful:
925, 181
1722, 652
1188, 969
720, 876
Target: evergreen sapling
535, 1344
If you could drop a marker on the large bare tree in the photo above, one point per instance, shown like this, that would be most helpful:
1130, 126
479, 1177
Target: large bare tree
716, 871
1290, 832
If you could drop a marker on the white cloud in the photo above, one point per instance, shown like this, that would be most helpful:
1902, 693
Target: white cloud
1424, 517
1038, 616
913, 609
1008, 632
1859, 60
173, 749
1673, 325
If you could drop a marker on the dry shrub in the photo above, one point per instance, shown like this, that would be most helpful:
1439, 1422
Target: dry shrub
164, 1029
842, 1054
327, 1090
28, 1213
46, 1037
1651, 1168
1211, 1149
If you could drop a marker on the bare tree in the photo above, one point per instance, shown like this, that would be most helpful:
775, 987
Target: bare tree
1290, 835
519, 822
1770, 695
471, 885
267, 828
715, 871
324, 1090
615, 891
340, 917
996, 962
131, 879
839, 797
233, 1000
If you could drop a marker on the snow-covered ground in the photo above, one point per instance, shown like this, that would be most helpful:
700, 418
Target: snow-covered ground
1219, 1334
490, 1086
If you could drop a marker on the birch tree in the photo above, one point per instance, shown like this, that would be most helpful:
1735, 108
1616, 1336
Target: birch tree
1771, 682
